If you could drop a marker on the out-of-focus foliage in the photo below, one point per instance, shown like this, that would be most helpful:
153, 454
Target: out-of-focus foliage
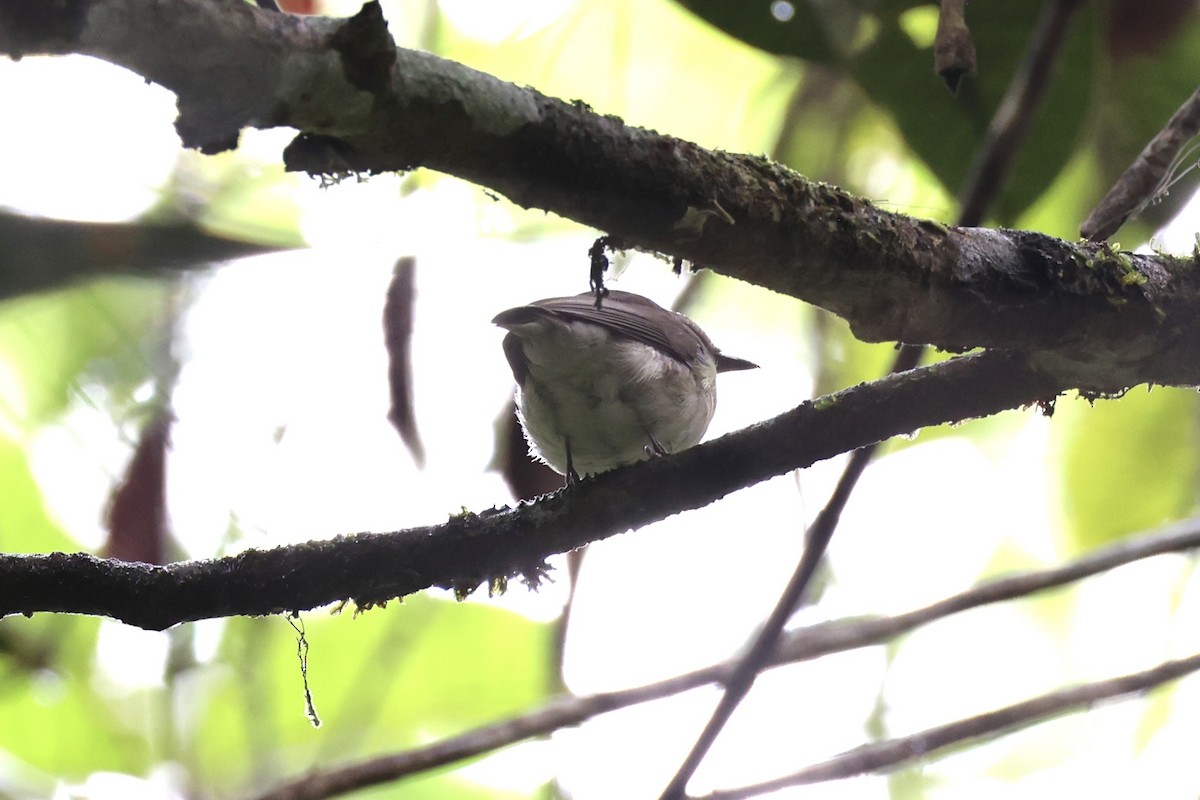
1128, 465
66, 726
49, 343
384, 680
1106, 94
843, 92
25, 527
886, 50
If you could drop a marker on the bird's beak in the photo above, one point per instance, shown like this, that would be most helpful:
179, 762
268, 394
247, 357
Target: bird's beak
730, 364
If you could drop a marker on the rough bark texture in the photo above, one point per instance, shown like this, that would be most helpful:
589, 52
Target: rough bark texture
364, 106
477, 548
1059, 315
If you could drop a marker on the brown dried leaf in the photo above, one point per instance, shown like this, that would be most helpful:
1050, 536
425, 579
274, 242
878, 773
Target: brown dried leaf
397, 329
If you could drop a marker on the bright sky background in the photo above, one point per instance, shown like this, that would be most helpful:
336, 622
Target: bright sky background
281, 422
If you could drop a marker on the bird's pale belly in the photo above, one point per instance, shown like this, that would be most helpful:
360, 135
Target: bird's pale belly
614, 411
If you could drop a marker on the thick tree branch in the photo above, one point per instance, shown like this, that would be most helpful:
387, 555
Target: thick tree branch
803, 644
470, 549
365, 106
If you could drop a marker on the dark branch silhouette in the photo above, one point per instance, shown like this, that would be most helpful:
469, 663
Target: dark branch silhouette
1082, 315
42, 254
1014, 116
992, 163
364, 106
471, 549
891, 753
1150, 173
802, 644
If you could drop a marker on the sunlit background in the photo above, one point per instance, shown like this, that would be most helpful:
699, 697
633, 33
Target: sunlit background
273, 369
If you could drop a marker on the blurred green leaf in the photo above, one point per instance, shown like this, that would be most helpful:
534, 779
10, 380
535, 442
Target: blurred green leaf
822, 113
1136, 95
438, 785
1125, 465
843, 360
256, 206
945, 131
25, 527
896, 73
385, 680
48, 340
1036, 749
1066, 203
1157, 708
789, 28
65, 727
1098, 101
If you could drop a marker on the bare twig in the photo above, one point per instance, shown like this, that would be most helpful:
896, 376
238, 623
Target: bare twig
885, 755
1014, 116
994, 158
1147, 175
804, 644
383, 108
1170, 539
758, 654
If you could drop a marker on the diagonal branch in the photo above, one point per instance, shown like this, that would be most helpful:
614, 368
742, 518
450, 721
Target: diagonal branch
470, 549
891, 753
803, 644
1017, 110
1150, 173
988, 172
42, 254
365, 106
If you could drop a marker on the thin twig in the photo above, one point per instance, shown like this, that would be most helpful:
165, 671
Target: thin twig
994, 158
888, 754
894, 278
1014, 116
1141, 182
827, 637
740, 681
803, 644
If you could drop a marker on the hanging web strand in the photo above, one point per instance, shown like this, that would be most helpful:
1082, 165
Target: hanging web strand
310, 710
1176, 172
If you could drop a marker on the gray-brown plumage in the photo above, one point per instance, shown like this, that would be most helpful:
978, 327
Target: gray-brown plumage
600, 388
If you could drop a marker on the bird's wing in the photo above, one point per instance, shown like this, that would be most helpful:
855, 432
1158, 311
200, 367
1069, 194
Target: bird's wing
626, 314
635, 317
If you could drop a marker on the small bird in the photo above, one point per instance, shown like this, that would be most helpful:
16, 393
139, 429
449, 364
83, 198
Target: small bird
605, 383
